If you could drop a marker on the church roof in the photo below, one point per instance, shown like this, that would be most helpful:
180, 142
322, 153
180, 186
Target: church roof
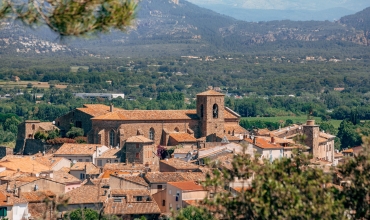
211, 92
151, 115
183, 137
146, 115
96, 109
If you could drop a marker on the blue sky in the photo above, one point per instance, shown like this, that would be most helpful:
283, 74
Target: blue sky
355, 5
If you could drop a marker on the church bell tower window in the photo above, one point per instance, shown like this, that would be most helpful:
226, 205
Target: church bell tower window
215, 111
111, 138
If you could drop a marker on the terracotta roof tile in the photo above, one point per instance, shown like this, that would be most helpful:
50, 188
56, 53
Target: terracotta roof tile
86, 194
63, 177
129, 193
77, 149
111, 153
149, 115
135, 179
24, 164
164, 177
129, 205
262, 143
179, 164
106, 174
115, 208
37, 196
96, 109
187, 186
138, 139
11, 199
350, 150
90, 167
183, 137
210, 92
47, 126
235, 127
130, 167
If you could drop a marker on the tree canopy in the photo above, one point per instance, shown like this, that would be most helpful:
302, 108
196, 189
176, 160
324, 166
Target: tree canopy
72, 17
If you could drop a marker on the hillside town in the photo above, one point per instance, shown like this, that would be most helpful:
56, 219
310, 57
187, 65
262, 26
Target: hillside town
143, 163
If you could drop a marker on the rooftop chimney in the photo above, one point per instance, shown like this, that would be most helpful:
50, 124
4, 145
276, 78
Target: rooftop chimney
111, 107
272, 140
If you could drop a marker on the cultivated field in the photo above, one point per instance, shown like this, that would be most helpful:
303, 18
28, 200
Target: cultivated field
23, 84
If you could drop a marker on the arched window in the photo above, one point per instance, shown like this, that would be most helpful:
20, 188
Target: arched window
33, 127
151, 134
201, 111
177, 129
111, 138
215, 111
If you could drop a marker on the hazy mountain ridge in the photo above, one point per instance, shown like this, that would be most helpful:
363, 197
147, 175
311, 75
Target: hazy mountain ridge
164, 28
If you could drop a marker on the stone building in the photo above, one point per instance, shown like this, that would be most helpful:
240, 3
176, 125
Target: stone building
27, 131
320, 144
114, 127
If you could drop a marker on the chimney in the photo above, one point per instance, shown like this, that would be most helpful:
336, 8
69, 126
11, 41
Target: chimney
111, 107
272, 140
254, 140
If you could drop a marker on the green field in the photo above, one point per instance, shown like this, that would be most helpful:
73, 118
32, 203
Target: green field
296, 119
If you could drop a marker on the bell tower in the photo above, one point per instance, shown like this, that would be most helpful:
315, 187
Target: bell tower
210, 110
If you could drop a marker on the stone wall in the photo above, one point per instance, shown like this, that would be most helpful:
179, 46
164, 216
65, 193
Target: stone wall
126, 129
144, 151
5, 151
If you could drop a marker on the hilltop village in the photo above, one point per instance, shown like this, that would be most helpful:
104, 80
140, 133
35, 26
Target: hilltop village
134, 163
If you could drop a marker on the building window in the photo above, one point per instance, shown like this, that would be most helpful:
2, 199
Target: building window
78, 124
82, 176
4, 211
33, 127
177, 129
79, 160
159, 186
137, 156
215, 111
151, 134
201, 111
163, 202
139, 198
137, 145
100, 163
111, 138
87, 160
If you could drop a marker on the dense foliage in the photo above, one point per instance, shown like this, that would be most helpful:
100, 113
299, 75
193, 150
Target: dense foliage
288, 188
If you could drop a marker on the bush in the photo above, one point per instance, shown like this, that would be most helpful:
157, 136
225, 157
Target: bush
75, 132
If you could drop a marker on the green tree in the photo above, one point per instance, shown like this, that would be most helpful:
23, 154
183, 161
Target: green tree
70, 17
40, 135
75, 132
193, 213
285, 189
356, 193
82, 214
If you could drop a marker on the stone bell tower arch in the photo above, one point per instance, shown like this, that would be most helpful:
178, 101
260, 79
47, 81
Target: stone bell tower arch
210, 110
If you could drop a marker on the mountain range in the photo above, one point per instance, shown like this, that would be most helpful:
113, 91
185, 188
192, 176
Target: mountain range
297, 10
167, 28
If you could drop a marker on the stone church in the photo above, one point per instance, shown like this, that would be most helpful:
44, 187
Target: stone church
210, 122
